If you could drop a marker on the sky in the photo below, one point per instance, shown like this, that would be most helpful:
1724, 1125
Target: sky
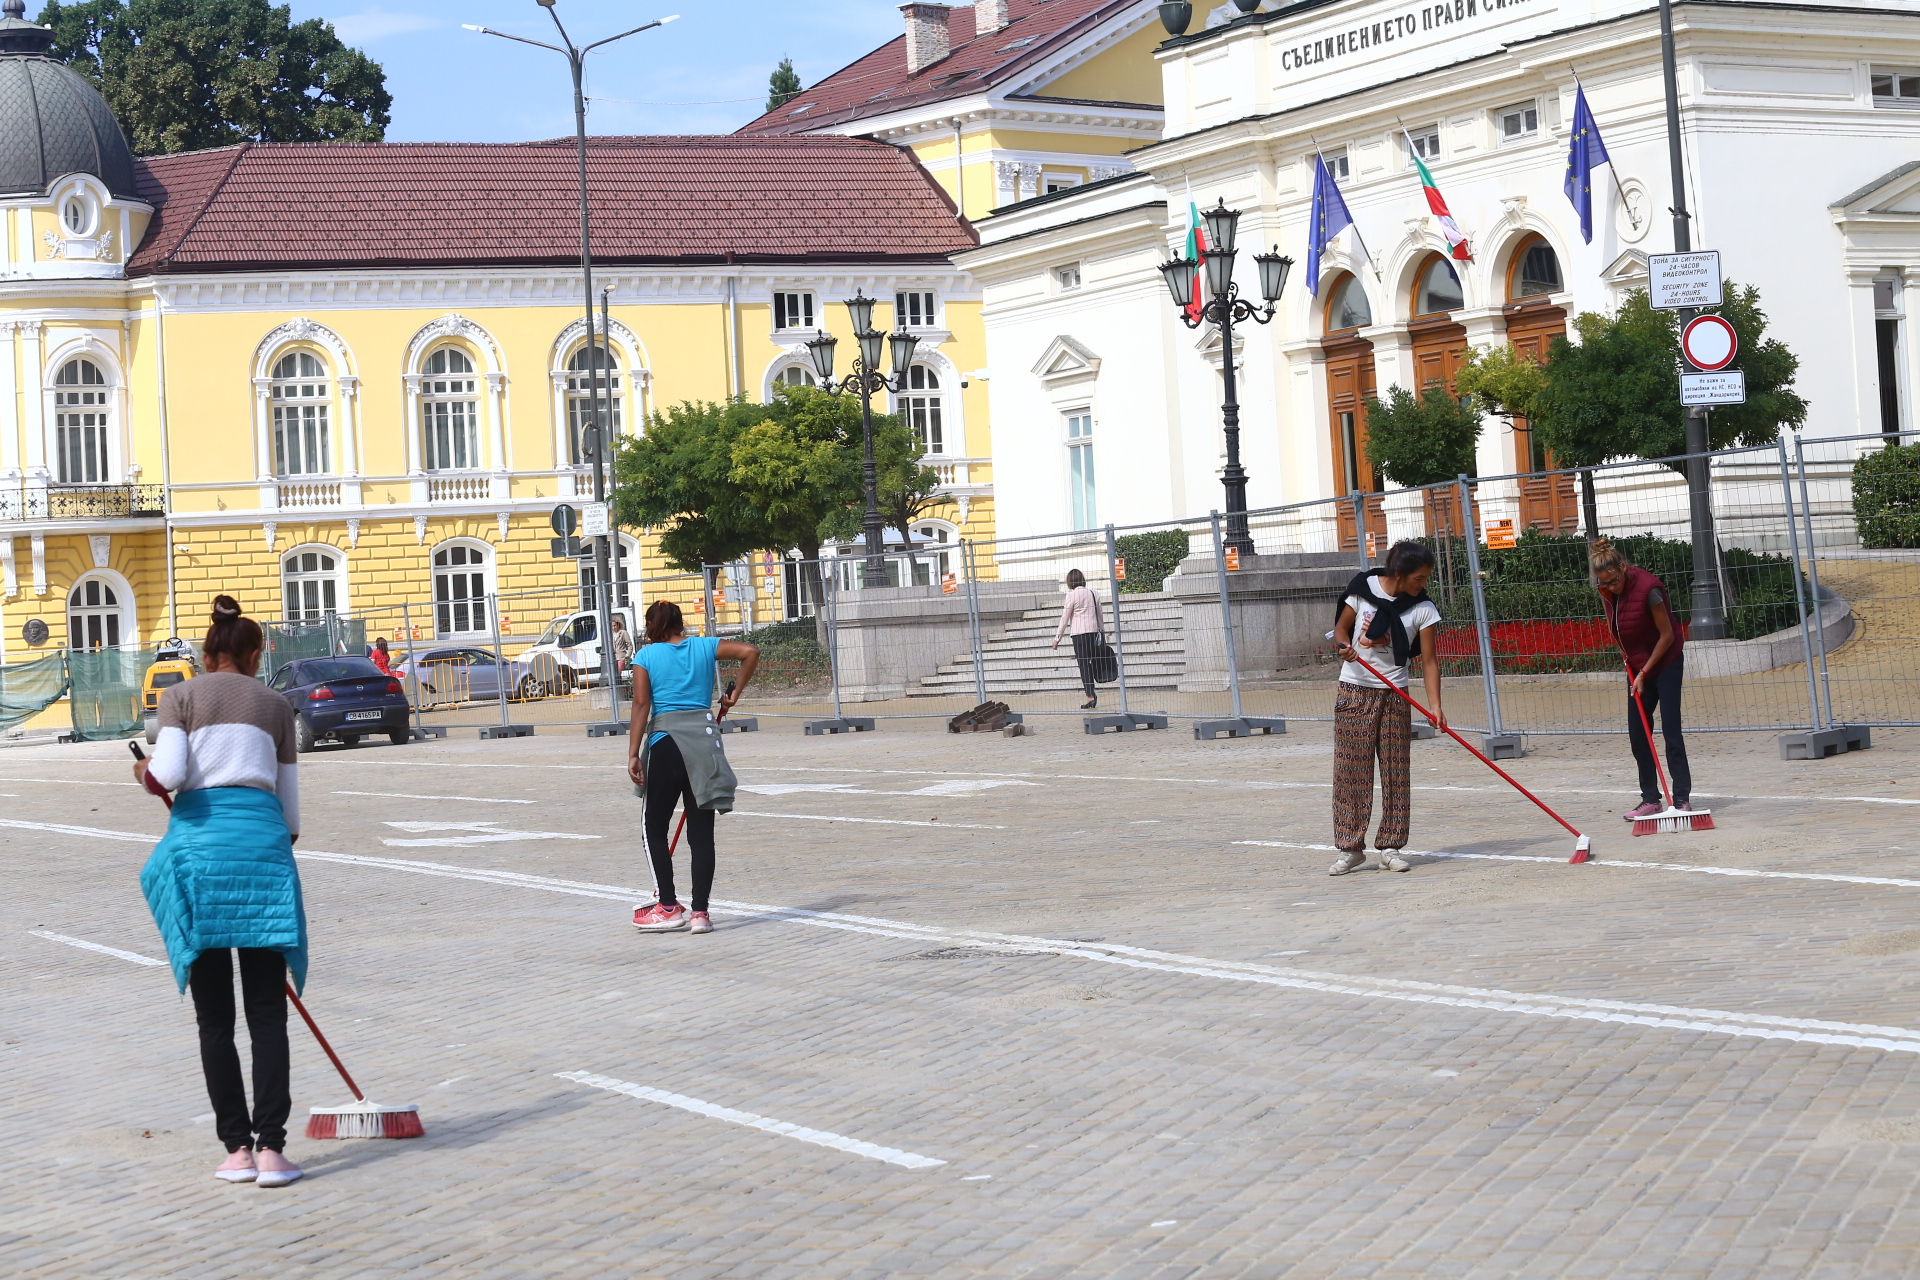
706, 73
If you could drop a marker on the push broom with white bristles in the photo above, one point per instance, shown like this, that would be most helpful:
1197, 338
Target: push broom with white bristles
1670, 820
362, 1119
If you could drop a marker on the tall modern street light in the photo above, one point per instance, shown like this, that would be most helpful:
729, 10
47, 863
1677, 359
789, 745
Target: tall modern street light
596, 440
1225, 307
866, 378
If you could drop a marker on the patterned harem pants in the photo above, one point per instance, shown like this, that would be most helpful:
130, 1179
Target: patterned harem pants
1366, 723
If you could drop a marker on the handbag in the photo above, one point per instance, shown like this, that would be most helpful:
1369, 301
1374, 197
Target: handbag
1106, 664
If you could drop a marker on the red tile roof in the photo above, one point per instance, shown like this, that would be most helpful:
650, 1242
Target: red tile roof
666, 200
879, 83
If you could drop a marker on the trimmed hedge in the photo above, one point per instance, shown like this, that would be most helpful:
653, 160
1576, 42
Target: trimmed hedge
1886, 496
1151, 558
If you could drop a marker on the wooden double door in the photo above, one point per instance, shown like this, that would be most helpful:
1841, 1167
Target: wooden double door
1548, 503
1349, 383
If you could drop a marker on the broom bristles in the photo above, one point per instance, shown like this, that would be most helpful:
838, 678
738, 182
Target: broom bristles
365, 1120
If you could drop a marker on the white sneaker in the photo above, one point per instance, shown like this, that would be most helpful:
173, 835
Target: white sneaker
278, 1177
1390, 860
1348, 862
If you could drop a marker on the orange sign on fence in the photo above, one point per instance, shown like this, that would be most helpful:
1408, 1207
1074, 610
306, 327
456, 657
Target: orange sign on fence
1233, 559
948, 585
1119, 568
1500, 535
1373, 545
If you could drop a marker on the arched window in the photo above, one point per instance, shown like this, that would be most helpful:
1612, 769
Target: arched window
581, 384
624, 558
920, 407
449, 412
312, 584
933, 544
93, 615
795, 375
300, 416
1536, 271
1347, 306
1438, 289
460, 590
80, 412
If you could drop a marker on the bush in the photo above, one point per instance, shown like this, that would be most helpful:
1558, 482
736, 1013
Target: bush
1151, 558
1886, 496
1427, 440
790, 657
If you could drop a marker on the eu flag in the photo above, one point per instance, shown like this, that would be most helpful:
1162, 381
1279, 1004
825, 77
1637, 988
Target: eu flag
1330, 218
1584, 152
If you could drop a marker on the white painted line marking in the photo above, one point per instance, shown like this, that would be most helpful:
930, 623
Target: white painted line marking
1532, 1004
888, 822
94, 833
957, 787
819, 1137
1617, 862
976, 1177
73, 782
407, 795
1168, 1222
84, 945
488, 833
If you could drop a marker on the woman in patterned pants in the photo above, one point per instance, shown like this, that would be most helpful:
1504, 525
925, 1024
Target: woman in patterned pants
1386, 618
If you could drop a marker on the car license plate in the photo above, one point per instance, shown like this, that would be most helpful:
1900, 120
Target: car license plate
364, 715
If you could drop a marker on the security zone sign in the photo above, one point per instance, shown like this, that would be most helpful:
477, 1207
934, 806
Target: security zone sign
1679, 280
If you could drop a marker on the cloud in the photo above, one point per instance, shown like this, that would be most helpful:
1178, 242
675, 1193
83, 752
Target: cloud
357, 27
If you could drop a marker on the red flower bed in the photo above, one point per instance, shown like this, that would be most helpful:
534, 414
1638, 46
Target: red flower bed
1533, 647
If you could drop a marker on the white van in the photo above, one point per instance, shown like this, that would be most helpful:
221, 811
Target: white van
573, 642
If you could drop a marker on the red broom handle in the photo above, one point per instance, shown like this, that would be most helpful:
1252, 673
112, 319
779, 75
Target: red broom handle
331, 1055
1647, 725
1435, 720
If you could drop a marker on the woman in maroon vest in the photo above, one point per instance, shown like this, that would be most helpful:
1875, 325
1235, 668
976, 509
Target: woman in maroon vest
1642, 622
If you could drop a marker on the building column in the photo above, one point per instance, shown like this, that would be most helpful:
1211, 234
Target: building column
1496, 453
263, 463
350, 489
9, 404
36, 420
497, 434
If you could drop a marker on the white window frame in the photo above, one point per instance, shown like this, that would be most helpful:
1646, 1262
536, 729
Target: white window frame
790, 373
1530, 107
624, 562
1052, 182
1066, 277
791, 305
1083, 486
289, 396
913, 317
293, 573
448, 610
1895, 101
923, 410
940, 555
579, 394
95, 400
1894, 312
1425, 142
1339, 163
432, 395
121, 610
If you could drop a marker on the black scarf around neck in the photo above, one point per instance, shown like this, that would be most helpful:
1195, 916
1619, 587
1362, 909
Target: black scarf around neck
1386, 616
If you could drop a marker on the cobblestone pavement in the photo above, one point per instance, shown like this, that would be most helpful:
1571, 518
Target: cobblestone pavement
1054, 1006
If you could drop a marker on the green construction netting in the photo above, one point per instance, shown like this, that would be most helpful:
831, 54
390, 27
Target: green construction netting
328, 637
28, 688
106, 692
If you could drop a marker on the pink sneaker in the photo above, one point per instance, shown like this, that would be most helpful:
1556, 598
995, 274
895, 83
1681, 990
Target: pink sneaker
1646, 810
659, 919
702, 923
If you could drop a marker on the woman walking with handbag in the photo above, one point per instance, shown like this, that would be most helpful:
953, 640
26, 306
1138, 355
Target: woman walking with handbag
1080, 618
223, 879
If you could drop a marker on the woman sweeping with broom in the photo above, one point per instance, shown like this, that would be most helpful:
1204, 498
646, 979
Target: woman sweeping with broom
1389, 617
1642, 624
223, 880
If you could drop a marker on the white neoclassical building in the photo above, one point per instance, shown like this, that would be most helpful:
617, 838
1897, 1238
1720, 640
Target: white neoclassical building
1802, 145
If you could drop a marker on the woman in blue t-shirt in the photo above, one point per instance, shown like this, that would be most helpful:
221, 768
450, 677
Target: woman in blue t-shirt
674, 755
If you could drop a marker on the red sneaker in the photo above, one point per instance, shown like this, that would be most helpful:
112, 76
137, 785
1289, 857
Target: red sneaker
660, 919
702, 923
1645, 810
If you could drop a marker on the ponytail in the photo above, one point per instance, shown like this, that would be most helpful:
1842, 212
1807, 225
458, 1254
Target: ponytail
232, 633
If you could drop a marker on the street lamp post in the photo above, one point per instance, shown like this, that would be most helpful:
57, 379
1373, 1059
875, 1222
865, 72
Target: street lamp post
601, 440
1225, 307
866, 378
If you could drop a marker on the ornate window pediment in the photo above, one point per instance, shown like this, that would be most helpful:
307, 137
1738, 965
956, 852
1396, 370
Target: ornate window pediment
1066, 363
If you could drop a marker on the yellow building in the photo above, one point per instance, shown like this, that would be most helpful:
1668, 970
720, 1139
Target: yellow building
332, 378
1001, 101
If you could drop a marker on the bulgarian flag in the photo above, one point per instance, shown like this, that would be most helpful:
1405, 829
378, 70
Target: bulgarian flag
1437, 205
1196, 245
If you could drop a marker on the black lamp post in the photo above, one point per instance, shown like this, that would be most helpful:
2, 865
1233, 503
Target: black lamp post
866, 378
1225, 307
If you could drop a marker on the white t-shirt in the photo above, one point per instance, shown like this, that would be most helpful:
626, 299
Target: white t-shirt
1417, 619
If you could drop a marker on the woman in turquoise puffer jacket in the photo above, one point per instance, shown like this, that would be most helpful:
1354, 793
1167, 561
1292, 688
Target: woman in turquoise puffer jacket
223, 879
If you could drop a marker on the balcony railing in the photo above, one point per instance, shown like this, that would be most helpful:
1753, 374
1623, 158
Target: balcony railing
83, 502
309, 493
458, 488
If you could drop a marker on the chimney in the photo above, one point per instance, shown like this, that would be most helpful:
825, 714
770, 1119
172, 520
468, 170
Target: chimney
989, 16
927, 40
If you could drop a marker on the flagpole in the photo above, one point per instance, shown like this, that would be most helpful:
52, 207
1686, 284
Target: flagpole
1351, 220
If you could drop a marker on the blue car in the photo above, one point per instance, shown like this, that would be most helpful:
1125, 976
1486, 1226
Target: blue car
343, 699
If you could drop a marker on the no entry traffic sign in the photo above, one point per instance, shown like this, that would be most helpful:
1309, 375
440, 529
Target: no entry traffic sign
1709, 343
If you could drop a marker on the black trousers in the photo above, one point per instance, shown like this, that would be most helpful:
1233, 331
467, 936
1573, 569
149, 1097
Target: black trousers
667, 782
1083, 646
263, 976
1662, 694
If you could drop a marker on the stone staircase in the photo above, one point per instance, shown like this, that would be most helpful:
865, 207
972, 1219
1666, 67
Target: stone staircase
1019, 660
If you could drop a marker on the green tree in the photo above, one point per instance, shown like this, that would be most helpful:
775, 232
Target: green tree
1616, 392
905, 485
782, 85
677, 477
1421, 441
182, 75
1500, 380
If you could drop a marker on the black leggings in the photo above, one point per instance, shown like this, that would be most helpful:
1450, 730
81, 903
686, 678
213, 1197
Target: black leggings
263, 976
1662, 694
1083, 646
667, 782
